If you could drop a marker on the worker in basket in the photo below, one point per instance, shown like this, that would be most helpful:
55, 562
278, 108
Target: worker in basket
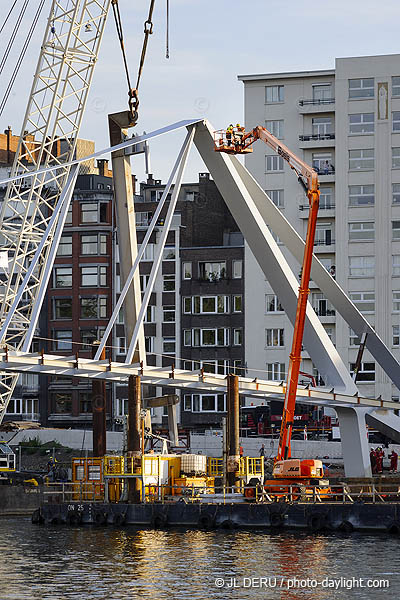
229, 132
239, 133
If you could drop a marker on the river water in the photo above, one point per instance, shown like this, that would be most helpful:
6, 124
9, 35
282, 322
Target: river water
88, 563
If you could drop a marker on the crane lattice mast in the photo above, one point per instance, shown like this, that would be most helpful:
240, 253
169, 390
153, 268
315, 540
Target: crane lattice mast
49, 134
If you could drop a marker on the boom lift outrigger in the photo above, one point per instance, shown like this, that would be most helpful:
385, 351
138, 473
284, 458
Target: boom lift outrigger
237, 141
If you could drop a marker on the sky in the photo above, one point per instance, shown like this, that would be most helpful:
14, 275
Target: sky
211, 43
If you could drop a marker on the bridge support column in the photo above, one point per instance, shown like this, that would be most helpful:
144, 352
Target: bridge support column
355, 448
233, 458
134, 436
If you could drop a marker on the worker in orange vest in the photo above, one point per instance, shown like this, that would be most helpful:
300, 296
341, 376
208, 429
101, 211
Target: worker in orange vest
379, 459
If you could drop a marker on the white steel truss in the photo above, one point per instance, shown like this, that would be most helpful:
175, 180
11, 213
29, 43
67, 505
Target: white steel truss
49, 134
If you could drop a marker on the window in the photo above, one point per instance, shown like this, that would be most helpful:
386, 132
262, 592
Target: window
169, 253
149, 315
148, 252
395, 158
361, 88
364, 301
366, 372
237, 268
149, 344
354, 338
62, 308
273, 163
326, 198
272, 303
169, 314
62, 403
85, 402
361, 266
94, 307
396, 193
207, 304
62, 339
361, 195
206, 337
322, 126
396, 335
237, 337
395, 86
94, 244
94, 212
274, 93
89, 336
361, 123
276, 197
144, 280
274, 337
322, 162
168, 283
396, 264
396, 120
276, 371
321, 305
361, 159
322, 91
187, 270
276, 128
237, 304
361, 231
204, 402
212, 271
396, 301
396, 230
62, 277
323, 235
143, 219
169, 345
68, 219
95, 276
121, 345
65, 246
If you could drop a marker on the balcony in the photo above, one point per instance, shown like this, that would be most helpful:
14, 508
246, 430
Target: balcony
316, 140
326, 209
310, 105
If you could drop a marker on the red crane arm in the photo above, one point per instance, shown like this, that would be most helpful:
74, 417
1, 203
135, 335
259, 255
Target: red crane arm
309, 179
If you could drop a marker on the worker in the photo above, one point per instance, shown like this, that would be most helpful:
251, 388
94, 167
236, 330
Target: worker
380, 455
262, 450
229, 132
393, 461
240, 450
239, 134
372, 456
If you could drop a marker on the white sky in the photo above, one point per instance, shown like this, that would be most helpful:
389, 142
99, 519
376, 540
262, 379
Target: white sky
211, 42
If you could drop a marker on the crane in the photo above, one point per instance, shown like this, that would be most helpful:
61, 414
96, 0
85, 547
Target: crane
235, 140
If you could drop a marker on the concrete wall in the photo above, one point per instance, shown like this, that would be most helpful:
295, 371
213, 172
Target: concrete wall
71, 438
16, 500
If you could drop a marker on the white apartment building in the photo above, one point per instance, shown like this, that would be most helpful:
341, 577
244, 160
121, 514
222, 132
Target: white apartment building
346, 123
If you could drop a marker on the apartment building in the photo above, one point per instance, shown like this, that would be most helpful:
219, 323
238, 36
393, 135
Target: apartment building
195, 318
346, 123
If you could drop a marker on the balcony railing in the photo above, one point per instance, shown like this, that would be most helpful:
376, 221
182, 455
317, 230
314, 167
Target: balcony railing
325, 170
315, 101
321, 206
316, 136
324, 242
324, 312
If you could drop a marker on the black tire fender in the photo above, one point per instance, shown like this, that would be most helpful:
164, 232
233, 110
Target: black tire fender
276, 519
315, 522
346, 527
206, 521
159, 521
228, 524
100, 518
119, 519
394, 528
74, 518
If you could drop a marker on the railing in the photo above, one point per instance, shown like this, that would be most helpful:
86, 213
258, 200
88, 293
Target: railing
57, 493
327, 206
316, 137
324, 242
327, 312
325, 170
319, 101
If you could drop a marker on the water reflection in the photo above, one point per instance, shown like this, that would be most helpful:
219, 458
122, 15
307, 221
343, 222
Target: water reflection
61, 563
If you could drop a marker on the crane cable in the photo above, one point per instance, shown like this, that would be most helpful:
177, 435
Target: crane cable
167, 33
21, 57
12, 38
133, 102
7, 17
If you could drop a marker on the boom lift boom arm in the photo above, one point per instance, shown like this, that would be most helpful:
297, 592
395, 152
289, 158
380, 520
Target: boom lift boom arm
237, 142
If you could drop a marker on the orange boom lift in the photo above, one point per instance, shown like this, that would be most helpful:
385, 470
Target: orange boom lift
286, 471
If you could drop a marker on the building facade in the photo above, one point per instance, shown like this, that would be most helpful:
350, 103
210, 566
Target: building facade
345, 122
